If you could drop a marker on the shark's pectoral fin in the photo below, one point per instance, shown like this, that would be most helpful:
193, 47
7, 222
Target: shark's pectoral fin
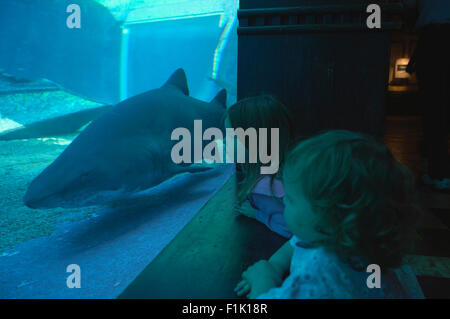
178, 79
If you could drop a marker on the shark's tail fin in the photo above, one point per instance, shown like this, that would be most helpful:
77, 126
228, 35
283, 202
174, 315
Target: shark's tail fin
178, 79
221, 98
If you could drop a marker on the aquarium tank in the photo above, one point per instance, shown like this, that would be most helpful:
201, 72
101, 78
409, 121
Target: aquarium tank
63, 66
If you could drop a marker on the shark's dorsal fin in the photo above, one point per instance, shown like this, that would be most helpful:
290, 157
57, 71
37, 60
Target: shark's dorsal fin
178, 79
221, 98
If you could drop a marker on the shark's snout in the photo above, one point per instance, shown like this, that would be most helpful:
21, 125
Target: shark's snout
65, 185
37, 197
29, 203
47, 189
32, 202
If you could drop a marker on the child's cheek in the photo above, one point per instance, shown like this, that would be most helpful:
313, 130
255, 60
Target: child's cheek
291, 220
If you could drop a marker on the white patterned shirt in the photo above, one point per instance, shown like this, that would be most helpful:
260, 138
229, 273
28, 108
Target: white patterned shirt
318, 274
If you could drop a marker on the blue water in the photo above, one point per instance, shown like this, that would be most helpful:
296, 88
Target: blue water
47, 70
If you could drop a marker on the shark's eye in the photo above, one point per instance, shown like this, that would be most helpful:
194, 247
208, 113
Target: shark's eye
85, 175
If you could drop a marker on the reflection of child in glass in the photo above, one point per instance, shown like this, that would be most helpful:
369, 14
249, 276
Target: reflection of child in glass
260, 196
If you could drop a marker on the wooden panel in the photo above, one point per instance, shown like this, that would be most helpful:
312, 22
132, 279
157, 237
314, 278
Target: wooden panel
332, 75
248, 4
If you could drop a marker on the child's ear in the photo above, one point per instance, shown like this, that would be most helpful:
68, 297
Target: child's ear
323, 228
221, 99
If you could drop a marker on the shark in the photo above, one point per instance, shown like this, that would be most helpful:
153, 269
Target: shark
126, 149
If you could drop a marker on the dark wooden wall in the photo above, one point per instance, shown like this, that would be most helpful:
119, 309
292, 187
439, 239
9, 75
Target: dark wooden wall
319, 58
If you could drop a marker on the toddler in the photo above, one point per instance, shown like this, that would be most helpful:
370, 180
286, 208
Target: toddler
349, 204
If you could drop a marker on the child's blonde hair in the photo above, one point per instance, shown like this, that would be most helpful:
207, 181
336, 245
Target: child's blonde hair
263, 111
365, 198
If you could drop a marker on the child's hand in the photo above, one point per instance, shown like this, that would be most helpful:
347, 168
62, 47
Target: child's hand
242, 288
258, 279
246, 209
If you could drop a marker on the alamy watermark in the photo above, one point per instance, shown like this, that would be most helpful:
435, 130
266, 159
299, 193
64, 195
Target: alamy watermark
74, 279
73, 21
374, 279
374, 19
256, 150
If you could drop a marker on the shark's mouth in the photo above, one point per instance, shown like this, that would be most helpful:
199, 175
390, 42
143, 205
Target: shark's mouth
95, 198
